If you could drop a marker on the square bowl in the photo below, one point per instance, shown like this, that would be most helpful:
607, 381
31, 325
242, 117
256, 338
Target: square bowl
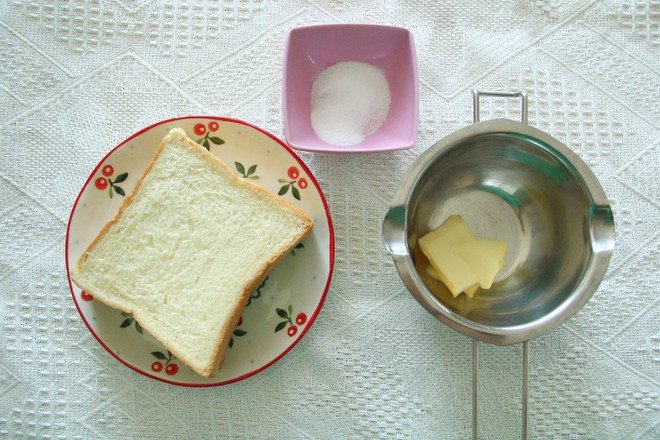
311, 49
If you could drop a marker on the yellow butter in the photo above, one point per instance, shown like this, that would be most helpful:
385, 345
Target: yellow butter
469, 291
460, 260
453, 230
450, 268
485, 258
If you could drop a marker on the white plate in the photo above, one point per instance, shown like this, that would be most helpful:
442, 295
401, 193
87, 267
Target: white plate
278, 314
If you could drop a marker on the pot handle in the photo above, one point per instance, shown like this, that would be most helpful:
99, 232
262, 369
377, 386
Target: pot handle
522, 95
475, 371
393, 231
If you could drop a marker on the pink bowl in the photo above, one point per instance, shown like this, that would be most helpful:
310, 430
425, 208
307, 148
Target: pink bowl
311, 49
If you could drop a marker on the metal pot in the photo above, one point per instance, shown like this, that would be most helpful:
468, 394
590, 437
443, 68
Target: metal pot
511, 182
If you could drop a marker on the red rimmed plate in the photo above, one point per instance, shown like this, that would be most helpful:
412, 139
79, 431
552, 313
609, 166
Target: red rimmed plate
278, 313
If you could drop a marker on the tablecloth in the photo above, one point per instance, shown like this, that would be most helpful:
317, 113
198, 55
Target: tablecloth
79, 76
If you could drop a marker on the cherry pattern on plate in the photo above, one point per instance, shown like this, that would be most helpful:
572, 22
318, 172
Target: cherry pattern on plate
291, 328
207, 138
164, 362
104, 181
294, 182
86, 296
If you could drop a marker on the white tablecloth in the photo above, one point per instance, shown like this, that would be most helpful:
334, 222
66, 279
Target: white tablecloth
79, 76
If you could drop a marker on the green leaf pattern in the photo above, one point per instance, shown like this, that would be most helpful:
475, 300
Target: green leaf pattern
246, 174
207, 140
129, 320
285, 314
293, 185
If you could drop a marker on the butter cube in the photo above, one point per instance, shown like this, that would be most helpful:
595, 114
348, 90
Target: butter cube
453, 230
460, 260
484, 257
469, 291
451, 269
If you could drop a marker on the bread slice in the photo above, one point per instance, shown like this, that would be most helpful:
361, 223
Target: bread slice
187, 248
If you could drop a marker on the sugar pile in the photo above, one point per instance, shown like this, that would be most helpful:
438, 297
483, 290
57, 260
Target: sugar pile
350, 100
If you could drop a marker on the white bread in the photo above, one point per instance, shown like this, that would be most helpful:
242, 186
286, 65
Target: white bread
187, 248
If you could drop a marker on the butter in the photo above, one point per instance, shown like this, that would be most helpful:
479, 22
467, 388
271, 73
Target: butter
460, 260
453, 230
469, 291
484, 257
462, 304
450, 269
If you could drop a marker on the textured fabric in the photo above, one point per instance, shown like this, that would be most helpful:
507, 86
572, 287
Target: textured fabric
79, 76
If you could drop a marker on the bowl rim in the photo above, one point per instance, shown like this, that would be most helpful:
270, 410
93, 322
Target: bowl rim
327, 148
348, 25
395, 238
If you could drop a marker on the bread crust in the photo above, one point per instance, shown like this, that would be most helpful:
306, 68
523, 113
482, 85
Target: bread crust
225, 333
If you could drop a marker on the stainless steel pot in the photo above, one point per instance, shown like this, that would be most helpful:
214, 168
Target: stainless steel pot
515, 183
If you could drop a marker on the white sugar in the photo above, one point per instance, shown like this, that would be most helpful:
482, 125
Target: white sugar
350, 101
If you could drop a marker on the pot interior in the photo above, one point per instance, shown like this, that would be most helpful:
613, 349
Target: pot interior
511, 187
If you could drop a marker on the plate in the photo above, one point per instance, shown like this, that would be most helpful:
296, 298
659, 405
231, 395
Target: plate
278, 313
